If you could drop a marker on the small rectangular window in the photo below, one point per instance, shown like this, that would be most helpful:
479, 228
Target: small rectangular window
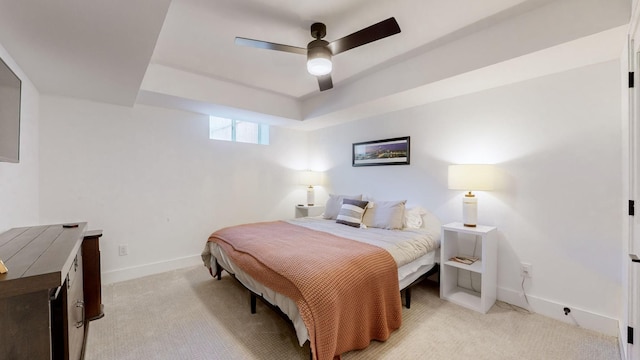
238, 131
246, 132
220, 128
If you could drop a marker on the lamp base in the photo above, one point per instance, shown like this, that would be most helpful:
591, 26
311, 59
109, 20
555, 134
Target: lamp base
469, 211
310, 196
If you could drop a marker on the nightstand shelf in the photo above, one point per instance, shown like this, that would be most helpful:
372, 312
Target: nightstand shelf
479, 241
309, 210
475, 267
465, 297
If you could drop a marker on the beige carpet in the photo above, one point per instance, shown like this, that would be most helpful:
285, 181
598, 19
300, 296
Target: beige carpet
186, 314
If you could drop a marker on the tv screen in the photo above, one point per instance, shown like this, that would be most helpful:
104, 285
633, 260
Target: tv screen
10, 90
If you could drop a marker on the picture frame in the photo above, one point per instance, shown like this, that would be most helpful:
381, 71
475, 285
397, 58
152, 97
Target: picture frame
395, 151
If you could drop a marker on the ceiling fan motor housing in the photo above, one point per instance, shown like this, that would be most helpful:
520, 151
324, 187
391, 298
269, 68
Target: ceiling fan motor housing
318, 46
318, 49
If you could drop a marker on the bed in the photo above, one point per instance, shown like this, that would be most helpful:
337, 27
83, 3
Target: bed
306, 266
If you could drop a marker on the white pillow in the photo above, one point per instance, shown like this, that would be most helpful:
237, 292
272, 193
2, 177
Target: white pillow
332, 208
385, 214
413, 217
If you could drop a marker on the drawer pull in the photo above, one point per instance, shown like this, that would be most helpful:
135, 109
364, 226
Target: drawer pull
80, 304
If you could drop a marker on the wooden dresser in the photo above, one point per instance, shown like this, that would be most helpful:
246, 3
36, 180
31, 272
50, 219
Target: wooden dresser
51, 291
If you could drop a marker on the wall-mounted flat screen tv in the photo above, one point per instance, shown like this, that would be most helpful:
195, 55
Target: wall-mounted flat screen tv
10, 91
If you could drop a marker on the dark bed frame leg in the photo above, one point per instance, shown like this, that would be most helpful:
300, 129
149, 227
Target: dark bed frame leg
407, 290
253, 302
218, 271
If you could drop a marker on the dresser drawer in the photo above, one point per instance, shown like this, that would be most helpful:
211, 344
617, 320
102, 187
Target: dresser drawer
75, 308
67, 317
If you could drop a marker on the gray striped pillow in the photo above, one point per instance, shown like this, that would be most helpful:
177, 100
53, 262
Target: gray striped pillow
351, 212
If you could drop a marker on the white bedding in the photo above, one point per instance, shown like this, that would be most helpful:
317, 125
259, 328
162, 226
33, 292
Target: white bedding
414, 250
404, 246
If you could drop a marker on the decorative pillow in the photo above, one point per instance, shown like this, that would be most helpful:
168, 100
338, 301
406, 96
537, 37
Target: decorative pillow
351, 212
332, 208
413, 217
385, 215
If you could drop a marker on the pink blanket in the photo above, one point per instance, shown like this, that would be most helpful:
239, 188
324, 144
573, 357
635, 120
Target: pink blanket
346, 291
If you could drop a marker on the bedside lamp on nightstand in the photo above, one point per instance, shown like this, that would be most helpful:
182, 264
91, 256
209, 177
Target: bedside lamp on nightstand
472, 177
310, 178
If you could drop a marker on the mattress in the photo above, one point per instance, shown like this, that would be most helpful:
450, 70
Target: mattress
414, 251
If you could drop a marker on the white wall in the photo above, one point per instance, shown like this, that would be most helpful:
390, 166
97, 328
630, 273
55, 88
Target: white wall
19, 182
151, 178
556, 141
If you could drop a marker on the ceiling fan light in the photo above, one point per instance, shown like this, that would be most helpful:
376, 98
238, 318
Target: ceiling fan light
319, 66
319, 58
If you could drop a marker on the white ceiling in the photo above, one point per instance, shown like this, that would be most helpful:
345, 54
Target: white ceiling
181, 53
198, 35
92, 49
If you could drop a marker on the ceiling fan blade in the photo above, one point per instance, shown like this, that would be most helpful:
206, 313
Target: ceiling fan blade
270, 46
372, 33
325, 82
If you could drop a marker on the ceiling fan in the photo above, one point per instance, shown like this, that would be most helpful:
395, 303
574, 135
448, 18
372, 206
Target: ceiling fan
319, 52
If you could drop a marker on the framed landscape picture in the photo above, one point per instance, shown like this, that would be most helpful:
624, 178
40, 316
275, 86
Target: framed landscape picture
381, 152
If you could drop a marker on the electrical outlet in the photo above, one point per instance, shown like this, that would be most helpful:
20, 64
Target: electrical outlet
123, 250
526, 270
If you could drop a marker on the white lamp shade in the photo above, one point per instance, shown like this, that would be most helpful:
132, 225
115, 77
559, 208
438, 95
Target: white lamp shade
471, 177
310, 178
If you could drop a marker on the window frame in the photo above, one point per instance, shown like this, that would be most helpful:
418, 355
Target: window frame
260, 133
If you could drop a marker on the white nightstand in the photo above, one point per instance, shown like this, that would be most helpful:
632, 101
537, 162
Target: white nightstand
306, 210
458, 239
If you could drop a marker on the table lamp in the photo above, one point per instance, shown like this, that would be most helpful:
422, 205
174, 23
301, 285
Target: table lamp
310, 178
470, 178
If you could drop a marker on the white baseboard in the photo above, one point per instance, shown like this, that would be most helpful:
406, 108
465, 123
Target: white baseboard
134, 272
579, 317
